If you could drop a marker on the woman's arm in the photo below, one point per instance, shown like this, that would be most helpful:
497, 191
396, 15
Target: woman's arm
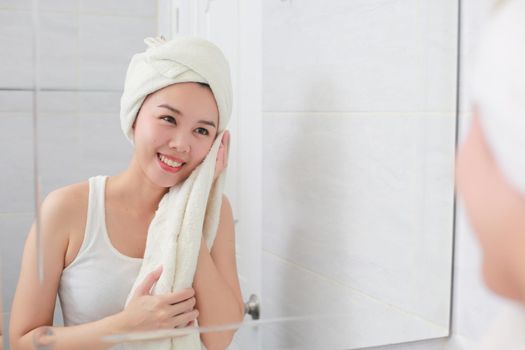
216, 283
34, 302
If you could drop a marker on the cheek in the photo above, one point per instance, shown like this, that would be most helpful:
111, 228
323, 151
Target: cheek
201, 149
148, 136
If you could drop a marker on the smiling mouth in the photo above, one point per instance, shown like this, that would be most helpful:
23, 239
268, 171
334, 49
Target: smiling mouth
170, 163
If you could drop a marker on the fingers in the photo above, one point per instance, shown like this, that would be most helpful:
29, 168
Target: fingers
179, 296
182, 307
182, 320
145, 287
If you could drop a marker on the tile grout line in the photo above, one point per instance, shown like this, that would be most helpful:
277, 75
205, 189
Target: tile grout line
341, 284
78, 11
15, 213
358, 113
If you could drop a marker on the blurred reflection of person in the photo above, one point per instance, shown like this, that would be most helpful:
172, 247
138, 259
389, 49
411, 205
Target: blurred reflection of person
491, 167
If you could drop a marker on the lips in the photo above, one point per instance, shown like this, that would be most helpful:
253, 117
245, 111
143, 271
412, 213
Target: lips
170, 164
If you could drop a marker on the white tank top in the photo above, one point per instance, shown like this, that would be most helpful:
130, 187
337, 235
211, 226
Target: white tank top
99, 279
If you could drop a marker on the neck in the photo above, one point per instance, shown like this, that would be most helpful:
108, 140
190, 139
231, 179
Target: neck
135, 189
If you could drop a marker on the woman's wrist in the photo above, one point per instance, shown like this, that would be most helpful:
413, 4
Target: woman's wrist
118, 323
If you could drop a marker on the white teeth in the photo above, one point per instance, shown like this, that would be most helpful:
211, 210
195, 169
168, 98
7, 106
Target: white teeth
169, 162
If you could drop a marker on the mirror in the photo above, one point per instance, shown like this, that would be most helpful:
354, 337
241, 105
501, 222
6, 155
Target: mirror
359, 127
341, 162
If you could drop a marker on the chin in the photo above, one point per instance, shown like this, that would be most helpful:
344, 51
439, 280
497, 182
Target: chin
161, 180
170, 182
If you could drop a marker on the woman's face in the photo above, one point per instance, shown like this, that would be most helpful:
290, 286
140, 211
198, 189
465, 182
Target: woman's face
174, 131
496, 212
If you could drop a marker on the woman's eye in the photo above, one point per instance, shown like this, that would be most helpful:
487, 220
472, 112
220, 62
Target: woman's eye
169, 119
202, 131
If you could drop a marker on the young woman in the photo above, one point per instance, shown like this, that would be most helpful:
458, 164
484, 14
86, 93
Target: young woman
94, 233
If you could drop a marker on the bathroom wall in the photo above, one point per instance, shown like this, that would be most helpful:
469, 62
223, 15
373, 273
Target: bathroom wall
84, 47
359, 129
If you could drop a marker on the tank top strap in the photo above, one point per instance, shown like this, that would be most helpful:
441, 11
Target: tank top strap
95, 222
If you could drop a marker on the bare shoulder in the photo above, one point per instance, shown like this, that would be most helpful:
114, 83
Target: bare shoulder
65, 207
66, 200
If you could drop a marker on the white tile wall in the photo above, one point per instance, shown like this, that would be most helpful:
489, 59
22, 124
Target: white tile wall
16, 177
373, 193
136, 8
16, 69
103, 148
99, 102
358, 150
64, 102
336, 316
15, 5
14, 227
16, 101
106, 44
58, 149
58, 68
360, 55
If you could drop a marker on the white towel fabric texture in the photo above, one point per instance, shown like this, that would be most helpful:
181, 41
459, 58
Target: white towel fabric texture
498, 88
190, 210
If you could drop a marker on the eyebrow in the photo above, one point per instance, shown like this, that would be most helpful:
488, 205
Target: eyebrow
176, 111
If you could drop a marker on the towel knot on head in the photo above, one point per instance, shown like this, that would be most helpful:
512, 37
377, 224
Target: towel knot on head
156, 41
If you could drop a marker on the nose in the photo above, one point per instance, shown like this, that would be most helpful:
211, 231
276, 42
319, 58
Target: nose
179, 142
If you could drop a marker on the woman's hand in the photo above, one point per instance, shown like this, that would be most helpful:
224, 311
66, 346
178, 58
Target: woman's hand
222, 155
147, 312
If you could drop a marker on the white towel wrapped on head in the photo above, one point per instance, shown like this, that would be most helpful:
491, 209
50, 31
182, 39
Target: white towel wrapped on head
190, 210
184, 59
